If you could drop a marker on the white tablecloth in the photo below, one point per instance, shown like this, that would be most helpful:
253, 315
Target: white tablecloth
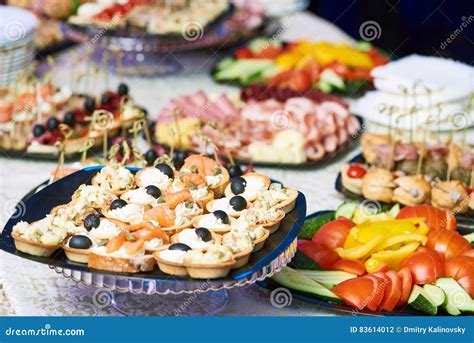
34, 289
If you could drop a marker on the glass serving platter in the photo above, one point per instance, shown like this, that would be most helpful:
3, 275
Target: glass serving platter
277, 252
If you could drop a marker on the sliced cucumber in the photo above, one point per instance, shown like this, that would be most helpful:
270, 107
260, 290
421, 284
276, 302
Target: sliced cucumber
435, 293
470, 237
394, 210
247, 70
328, 278
347, 208
312, 225
456, 296
421, 301
258, 44
362, 45
324, 86
328, 76
294, 280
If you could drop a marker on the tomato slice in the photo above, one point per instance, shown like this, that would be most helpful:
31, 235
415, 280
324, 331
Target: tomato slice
407, 282
423, 267
441, 244
456, 245
350, 266
356, 292
459, 266
243, 53
469, 253
433, 238
435, 218
437, 258
386, 283
320, 254
334, 234
467, 282
356, 171
393, 291
299, 80
377, 295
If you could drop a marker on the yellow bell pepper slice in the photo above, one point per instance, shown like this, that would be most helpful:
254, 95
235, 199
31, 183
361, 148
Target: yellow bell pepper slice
361, 251
372, 265
368, 230
395, 240
393, 258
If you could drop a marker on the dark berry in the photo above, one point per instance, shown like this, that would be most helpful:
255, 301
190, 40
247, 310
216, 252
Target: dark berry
238, 185
80, 242
204, 234
178, 159
123, 89
89, 105
105, 99
91, 221
238, 203
38, 130
70, 118
165, 169
150, 157
179, 246
219, 214
235, 171
52, 123
117, 203
153, 191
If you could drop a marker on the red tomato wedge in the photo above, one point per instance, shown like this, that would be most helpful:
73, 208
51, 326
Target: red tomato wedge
393, 291
435, 218
467, 282
447, 243
407, 282
423, 266
386, 283
469, 252
313, 69
376, 297
459, 266
333, 234
349, 266
323, 256
356, 292
242, 53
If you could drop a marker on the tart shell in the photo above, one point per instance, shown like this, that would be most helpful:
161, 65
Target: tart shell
209, 271
76, 255
171, 268
259, 243
220, 188
265, 179
34, 248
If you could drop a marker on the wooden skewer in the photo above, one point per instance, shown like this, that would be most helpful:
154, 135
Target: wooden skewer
89, 143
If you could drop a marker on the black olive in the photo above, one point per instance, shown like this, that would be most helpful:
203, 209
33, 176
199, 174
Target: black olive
117, 203
204, 234
105, 99
89, 105
70, 118
52, 123
238, 185
80, 242
91, 221
151, 156
153, 191
123, 89
238, 203
235, 171
219, 214
178, 159
165, 169
179, 246
38, 130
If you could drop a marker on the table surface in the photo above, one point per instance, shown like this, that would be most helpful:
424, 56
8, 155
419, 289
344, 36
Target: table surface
28, 288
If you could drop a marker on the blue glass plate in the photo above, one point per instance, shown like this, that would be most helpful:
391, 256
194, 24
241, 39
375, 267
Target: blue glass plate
36, 205
466, 221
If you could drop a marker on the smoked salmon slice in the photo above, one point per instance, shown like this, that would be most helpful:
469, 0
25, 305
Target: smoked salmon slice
162, 214
176, 198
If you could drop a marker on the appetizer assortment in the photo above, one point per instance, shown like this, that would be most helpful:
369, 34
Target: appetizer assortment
262, 126
156, 17
385, 260
193, 221
35, 116
302, 65
411, 174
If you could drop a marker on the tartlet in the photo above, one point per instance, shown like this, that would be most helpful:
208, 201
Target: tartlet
137, 264
211, 263
217, 227
34, 248
173, 264
200, 243
255, 183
